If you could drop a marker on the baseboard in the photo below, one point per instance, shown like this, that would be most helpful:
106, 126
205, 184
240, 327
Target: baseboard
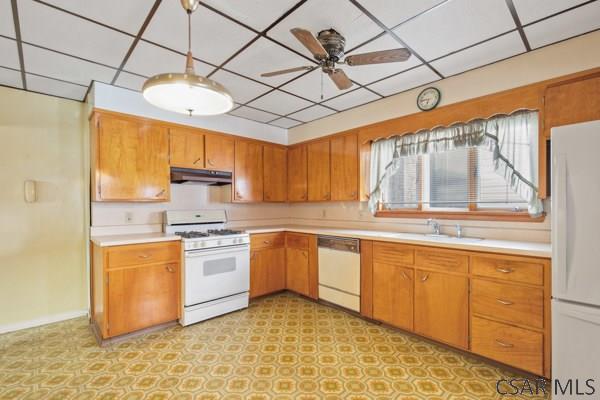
48, 319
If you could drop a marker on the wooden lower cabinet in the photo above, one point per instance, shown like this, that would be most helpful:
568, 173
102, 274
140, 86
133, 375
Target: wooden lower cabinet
297, 271
267, 271
393, 299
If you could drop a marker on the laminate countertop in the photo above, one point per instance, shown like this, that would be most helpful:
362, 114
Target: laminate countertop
135, 238
531, 249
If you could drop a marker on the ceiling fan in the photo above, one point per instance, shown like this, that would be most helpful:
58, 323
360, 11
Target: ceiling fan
328, 49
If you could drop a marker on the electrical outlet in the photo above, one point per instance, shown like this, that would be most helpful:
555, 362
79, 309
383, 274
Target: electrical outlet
324, 213
129, 217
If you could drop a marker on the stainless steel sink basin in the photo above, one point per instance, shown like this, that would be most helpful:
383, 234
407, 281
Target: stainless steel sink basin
436, 236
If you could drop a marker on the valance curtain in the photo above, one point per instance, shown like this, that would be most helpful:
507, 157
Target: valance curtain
513, 140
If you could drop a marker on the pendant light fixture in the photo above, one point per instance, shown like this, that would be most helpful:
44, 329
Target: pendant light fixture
187, 93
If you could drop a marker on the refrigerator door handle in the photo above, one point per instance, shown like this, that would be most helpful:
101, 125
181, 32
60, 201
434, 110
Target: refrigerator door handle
559, 225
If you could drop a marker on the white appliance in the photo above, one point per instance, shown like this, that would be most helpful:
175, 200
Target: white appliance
339, 271
576, 259
216, 267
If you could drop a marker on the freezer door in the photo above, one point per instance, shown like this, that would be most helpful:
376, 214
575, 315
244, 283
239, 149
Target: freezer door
575, 350
576, 213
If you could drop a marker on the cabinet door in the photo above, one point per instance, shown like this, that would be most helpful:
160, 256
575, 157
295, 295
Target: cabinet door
186, 148
297, 271
140, 297
297, 174
267, 271
393, 295
219, 151
133, 161
248, 174
441, 307
319, 183
344, 167
275, 173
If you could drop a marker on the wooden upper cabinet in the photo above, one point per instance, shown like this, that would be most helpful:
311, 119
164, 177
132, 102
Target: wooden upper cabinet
219, 151
248, 174
319, 179
297, 170
344, 167
130, 159
186, 148
275, 173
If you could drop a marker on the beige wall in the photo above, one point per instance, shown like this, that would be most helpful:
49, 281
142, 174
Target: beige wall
42, 244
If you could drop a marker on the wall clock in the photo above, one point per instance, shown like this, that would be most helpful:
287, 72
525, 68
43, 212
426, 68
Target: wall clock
429, 98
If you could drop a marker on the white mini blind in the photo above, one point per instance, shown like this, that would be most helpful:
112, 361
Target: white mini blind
402, 186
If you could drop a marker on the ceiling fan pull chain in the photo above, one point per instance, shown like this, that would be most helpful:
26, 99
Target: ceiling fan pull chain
321, 87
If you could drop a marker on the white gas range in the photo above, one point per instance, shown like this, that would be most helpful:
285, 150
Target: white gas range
216, 273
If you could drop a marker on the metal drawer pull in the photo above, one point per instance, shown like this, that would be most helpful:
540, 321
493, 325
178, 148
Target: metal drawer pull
199, 159
505, 302
504, 270
504, 344
425, 277
210, 162
159, 193
267, 242
143, 256
405, 276
170, 269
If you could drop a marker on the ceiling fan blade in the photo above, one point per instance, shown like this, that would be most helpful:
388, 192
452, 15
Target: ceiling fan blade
310, 42
340, 79
285, 71
378, 57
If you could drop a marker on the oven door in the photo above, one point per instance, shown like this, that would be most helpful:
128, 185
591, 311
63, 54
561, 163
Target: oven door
216, 273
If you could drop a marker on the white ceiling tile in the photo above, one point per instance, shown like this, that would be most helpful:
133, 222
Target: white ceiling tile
255, 115
258, 14
266, 56
532, 10
9, 77
280, 103
241, 89
59, 66
455, 25
9, 54
7, 25
285, 123
149, 60
365, 74
352, 99
497, 49
45, 26
312, 113
564, 26
55, 88
391, 13
405, 81
130, 81
127, 16
317, 15
309, 86
214, 38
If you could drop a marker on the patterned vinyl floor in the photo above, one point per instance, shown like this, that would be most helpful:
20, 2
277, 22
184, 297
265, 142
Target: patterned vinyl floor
282, 347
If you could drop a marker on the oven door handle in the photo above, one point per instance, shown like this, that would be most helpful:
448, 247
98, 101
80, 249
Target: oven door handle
222, 250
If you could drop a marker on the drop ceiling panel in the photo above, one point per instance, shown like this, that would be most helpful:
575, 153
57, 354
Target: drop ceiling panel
241, 89
130, 81
309, 86
365, 74
258, 14
9, 54
317, 15
59, 66
55, 88
45, 26
352, 99
148, 60
532, 10
214, 38
266, 56
392, 13
127, 16
9, 77
255, 115
7, 25
497, 49
454, 25
284, 123
312, 113
405, 81
564, 26
280, 103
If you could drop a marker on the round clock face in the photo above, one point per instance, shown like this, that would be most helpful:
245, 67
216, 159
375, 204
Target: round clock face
428, 99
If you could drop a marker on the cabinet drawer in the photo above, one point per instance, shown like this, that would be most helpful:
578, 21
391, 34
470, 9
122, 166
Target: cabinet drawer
391, 253
296, 240
267, 240
517, 270
514, 346
136, 254
443, 260
508, 302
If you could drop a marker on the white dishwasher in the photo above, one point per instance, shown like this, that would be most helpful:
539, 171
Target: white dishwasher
339, 271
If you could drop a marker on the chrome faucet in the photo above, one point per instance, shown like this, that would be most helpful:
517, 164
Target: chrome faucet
435, 225
459, 232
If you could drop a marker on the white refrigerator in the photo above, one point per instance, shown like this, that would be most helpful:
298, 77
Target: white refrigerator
575, 197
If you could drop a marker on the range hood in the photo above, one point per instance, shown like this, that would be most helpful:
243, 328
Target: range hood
201, 176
